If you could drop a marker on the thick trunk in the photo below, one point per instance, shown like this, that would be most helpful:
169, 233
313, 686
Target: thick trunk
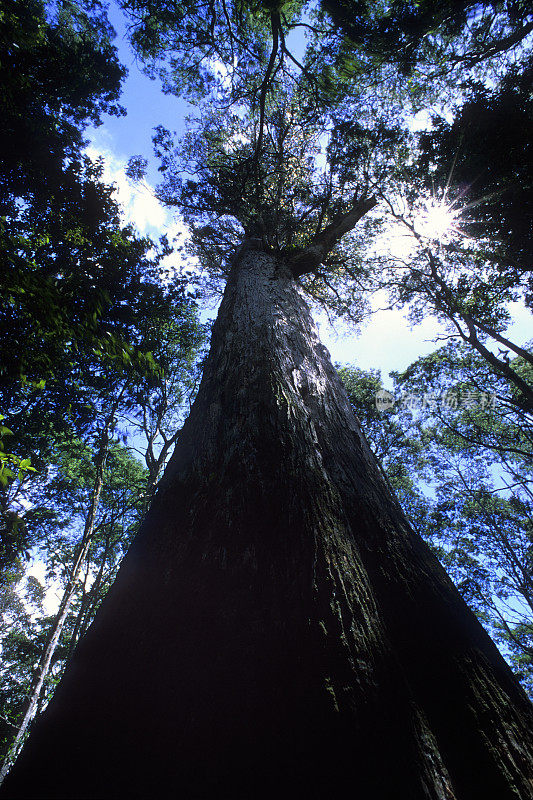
277, 630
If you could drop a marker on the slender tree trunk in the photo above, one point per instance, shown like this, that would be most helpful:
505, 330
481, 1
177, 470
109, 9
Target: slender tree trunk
277, 629
497, 363
56, 628
87, 602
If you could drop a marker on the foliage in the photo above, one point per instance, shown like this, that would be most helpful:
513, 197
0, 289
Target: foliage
484, 153
230, 42
432, 40
11, 466
457, 451
76, 284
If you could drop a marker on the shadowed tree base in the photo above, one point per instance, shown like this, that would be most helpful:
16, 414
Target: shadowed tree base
277, 629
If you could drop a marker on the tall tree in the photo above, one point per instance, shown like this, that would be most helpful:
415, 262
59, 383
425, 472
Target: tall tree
277, 627
51, 642
291, 646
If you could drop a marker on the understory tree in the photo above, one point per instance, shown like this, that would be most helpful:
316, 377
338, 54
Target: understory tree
35, 642
457, 451
129, 384
277, 627
477, 453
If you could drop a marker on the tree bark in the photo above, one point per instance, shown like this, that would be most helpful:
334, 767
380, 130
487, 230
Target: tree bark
277, 629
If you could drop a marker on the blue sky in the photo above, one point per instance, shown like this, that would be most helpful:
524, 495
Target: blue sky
386, 342
146, 104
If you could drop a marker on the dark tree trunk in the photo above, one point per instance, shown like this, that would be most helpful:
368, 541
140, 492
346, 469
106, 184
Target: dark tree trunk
277, 630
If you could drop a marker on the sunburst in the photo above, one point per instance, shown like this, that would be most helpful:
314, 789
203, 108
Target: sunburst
437, 220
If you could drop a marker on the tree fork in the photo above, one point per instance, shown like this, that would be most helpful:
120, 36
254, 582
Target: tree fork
277, 629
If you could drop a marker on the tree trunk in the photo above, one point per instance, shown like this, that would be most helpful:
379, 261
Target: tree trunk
277, 629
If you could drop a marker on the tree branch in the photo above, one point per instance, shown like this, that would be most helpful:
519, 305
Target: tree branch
308, 259
275, 23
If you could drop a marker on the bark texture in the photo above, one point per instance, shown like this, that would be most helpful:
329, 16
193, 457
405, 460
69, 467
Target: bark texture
277, 629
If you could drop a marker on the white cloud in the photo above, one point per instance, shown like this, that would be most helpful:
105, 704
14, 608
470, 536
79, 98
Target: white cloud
138, 202
139, 205
54, 590
387, 342
520, 329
